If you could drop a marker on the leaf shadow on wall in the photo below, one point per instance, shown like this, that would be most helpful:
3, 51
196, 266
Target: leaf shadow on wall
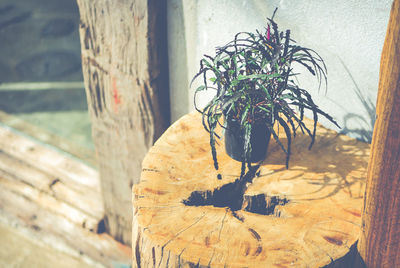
363, 134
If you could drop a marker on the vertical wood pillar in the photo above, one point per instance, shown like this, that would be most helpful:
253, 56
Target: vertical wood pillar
379, 244
124, 62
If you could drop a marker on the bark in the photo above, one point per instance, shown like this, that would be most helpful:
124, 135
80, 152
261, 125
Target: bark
124, 64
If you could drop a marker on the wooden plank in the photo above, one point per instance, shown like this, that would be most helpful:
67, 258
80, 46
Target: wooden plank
124, 62
54, 201
59, 232
50, 203
24, 252
379, 242
72, 172
26, 175
46, 137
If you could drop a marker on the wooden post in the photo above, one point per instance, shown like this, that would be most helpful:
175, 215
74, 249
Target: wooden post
379, 244
124, 63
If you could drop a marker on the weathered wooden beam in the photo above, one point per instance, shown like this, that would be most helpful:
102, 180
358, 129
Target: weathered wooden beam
54, 229
13, 121
379, 244
54, 201
124, 63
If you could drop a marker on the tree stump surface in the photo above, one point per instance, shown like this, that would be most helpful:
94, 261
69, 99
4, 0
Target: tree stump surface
306, 216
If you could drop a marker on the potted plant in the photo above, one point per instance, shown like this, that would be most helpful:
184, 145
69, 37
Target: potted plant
255, 89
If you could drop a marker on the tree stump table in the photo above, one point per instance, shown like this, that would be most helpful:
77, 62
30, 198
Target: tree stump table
306, 216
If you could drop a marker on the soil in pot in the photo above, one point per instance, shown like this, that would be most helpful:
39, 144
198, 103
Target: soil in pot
234, 141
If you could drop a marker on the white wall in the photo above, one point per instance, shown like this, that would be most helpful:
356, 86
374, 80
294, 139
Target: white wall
347, 34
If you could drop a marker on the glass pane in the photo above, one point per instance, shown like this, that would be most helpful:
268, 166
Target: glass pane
41, 85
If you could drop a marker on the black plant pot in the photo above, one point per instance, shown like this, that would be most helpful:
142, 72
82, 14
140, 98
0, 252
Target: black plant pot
234, 141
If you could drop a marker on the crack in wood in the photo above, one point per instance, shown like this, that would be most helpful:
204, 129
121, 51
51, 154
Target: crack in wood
258, 238
229, 195
150, 170
153, 256
181, 231
94, 63
212, 256
169, 254
179, 257
54, 182
232, 196
161, 258
222, 225
137, 250
237, 216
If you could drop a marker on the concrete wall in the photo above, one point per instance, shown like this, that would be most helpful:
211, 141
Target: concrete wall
348, 35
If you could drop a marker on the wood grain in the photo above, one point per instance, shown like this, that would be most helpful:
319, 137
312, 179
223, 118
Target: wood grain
23, 251
320, 222
59, 232
125, 74
380, 238
51, 175
53, 201
49, 138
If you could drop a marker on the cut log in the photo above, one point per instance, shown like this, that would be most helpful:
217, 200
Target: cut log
124, 63
379, 242
306, 216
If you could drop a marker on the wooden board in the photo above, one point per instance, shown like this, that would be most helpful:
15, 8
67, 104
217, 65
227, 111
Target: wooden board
55, 202
59, 232
44, 136
50, 172
314, 206
32, 253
